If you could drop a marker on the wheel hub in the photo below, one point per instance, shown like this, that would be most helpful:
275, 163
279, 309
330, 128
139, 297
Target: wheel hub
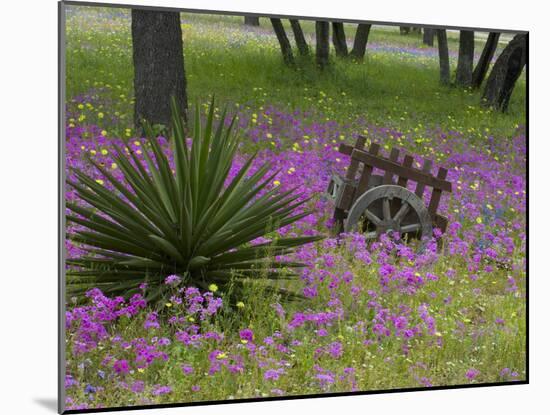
388, 225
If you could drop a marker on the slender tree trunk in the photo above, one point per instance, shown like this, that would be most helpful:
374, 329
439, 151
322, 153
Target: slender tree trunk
505, 73
284, 43
251, 20
322, 30
428, 38
158, 65
465, 58
443, 49
299, 37
339, 39
360, 41
485, 59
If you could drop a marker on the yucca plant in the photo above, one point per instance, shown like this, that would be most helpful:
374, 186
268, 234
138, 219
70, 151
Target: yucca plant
185, 221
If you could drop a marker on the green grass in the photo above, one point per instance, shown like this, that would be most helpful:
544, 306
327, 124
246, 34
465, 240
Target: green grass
394, 88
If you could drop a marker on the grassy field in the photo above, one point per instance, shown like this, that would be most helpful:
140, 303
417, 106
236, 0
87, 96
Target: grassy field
374, 317
397, 84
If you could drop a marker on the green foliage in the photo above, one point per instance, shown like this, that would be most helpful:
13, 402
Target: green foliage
183, 221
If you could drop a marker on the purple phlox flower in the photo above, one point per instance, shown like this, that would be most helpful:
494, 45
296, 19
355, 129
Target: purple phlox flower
172, 280
138, 386
472, 373
121, 367
161, 390
187, 369
70, 381
335, 349
247, 335
273, 374
151, 321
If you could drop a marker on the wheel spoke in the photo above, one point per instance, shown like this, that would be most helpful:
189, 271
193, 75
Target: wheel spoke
401, 212
411, 228
372, 217
386, 208
374, 211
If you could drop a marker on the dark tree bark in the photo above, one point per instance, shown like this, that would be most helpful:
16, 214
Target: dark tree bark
404, 30
158, 65
339, 39
485, 59
505, 73
360, 41
465, 58
322, 30
284, 43
443, 49
428, 37
299, 37
251, 20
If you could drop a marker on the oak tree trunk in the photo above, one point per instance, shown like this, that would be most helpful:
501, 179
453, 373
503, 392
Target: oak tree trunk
505, 73
428, 37
158, 65
284, 43
322, 30
404, 30
251, 20
339, 39
485, 59
299, 37
360, 41
465, 58
443, 49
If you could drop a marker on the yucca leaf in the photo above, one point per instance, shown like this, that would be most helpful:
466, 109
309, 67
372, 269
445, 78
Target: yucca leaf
198, 262
277, 247
187, 220
119, 211
168, 247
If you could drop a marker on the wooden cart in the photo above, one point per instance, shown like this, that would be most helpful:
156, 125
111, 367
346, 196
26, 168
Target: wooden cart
375, 204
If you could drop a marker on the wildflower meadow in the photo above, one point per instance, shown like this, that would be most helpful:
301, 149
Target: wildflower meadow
363, 316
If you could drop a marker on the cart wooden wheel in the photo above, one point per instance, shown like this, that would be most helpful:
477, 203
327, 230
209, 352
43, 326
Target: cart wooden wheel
388, 208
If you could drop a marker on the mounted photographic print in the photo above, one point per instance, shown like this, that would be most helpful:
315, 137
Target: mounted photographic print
262, 207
